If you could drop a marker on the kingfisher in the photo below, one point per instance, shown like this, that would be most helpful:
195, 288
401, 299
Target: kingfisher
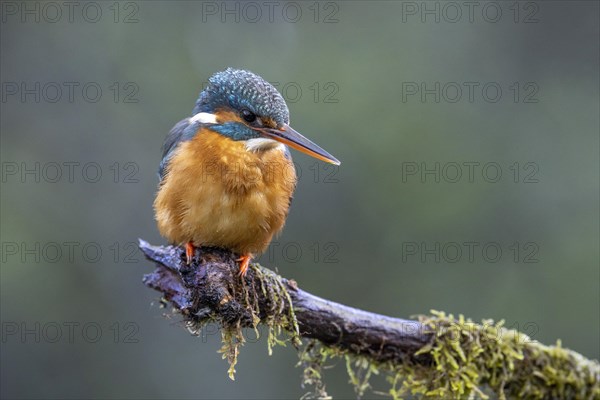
226, 174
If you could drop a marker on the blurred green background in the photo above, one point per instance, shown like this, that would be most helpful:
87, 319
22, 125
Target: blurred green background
360, 78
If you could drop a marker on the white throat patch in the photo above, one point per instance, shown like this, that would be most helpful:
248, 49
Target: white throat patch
205, 118
259, 144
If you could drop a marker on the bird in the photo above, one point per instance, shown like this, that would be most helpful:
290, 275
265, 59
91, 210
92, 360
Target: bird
226, 178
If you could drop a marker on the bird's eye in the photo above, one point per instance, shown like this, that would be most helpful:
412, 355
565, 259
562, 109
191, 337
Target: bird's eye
248, 116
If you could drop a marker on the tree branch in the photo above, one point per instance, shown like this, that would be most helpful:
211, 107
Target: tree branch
210, 290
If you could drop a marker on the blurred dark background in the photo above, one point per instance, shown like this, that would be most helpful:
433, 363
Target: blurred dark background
458, 128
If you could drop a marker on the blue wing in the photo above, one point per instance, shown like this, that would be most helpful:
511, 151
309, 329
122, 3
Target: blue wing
182, 131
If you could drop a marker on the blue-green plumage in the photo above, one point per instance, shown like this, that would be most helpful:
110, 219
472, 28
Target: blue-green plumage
239, 89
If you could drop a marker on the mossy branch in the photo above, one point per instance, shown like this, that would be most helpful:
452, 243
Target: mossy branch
434, 356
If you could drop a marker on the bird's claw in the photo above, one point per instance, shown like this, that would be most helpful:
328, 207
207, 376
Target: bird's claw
244, 263
189, 252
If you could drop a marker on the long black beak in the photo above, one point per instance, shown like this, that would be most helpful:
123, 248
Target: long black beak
295, 140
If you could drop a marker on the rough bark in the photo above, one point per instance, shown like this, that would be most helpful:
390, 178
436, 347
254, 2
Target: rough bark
210, 284
442, 356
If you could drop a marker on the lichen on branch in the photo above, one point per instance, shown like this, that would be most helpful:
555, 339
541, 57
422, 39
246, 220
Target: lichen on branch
434, 356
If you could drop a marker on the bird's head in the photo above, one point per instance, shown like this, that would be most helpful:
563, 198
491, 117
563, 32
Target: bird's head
242, 106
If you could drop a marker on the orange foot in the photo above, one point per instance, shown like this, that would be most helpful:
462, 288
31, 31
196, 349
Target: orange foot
189, 252
244, 262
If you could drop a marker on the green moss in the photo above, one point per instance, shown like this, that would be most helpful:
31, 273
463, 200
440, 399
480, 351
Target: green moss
469, 361
313, 358
468, 357
359, 371
281, 324
232, 339
278, 317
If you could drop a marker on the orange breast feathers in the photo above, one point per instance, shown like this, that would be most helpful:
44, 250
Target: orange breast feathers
218, 193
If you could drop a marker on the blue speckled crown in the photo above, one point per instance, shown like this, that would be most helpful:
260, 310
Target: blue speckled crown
237, 88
